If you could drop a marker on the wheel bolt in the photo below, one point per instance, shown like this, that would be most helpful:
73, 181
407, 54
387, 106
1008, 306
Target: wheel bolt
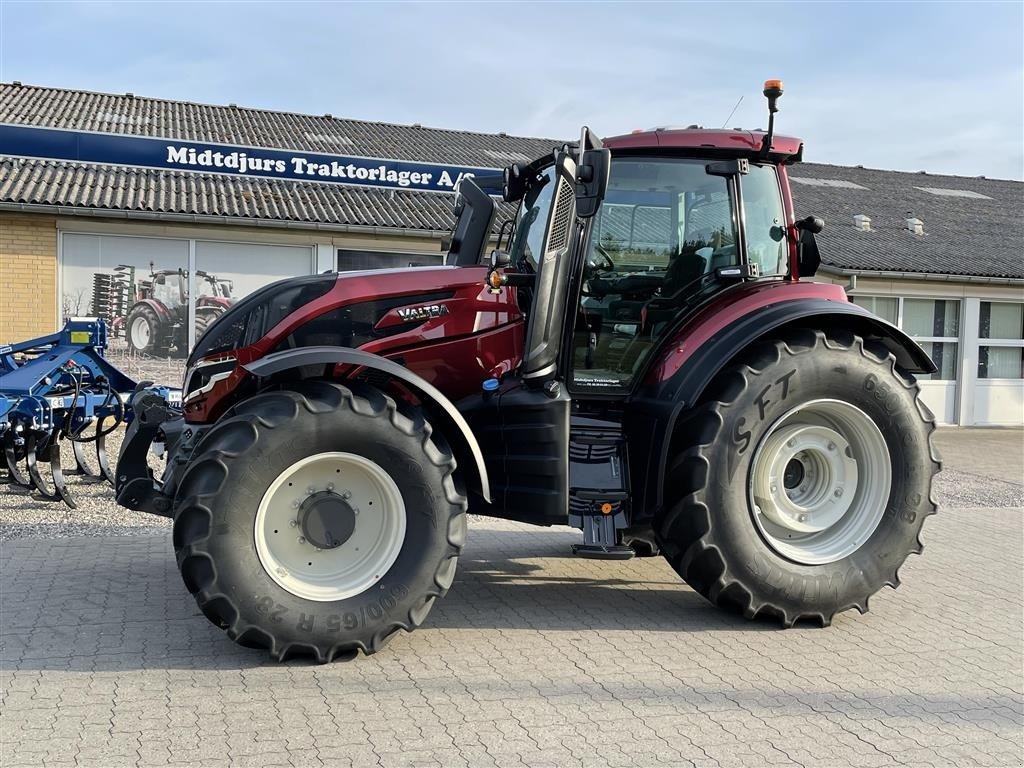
293, 523
346, 494
311, 490
330, 486
839, 492
282, 572
802, 518
791, 443
831, 446
355, 510
302, 539
295, 504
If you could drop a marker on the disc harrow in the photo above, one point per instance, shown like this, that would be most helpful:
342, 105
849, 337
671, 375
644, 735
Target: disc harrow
61, 389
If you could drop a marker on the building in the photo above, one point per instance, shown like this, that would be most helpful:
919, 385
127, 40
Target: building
90, 182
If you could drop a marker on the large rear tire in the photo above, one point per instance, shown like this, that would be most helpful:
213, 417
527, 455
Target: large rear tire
799, 486
144, 333
319, 521
204, 320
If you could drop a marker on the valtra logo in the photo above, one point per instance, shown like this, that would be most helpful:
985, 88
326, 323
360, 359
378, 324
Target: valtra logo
422, 313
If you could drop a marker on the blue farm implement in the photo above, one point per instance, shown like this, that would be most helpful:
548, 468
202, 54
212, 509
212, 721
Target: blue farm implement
61, 388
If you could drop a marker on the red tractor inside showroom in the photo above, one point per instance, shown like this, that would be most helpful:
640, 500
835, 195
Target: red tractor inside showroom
158, 320
643, 358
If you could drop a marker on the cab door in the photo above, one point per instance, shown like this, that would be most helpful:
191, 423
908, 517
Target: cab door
523, 427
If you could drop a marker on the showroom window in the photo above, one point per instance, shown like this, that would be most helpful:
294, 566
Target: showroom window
140, 285
932, 323
1001, 340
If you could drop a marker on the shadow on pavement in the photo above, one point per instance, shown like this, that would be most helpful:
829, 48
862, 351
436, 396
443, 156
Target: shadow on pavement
115, 603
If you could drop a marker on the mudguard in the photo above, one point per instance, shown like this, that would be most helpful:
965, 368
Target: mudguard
303, 356
159, 309
657, 405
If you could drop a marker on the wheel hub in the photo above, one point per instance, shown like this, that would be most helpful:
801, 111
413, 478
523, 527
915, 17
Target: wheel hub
820, 481
326, 520
815, 468
330, 526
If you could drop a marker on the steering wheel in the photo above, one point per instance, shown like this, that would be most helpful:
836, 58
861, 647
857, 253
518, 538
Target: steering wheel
604, 264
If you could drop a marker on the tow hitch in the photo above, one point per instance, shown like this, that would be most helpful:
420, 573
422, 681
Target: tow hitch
136, 486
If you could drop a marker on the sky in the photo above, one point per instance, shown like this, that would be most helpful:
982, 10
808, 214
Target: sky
906, 86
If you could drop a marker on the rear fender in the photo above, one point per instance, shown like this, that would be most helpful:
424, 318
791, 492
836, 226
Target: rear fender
657, 406
455, 428
159, 309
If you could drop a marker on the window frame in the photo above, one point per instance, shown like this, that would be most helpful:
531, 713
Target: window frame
1000, 342
957, 377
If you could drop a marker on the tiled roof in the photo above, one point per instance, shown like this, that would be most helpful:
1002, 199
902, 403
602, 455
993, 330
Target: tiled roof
116, 188
972, 226
137, 116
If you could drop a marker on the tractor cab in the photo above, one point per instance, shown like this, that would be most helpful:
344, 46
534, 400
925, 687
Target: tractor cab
676, 227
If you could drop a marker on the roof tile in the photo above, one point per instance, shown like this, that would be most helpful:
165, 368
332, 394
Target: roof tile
981, 234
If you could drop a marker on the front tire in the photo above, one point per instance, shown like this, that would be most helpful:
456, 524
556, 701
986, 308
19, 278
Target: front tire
800, 485
319, 521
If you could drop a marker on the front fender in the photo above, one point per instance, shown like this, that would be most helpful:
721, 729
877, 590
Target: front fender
314, 356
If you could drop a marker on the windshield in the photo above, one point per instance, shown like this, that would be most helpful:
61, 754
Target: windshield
167, 290
531, 223
665, 227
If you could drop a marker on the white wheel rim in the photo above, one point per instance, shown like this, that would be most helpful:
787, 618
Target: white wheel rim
819, 482
287, 551
140, 332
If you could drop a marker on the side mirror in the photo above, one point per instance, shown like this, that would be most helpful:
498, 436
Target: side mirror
513, 184
808, 258
592, 173
160, 280
812, 224
592, 181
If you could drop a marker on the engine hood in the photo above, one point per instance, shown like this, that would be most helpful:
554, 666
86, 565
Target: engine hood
376, 310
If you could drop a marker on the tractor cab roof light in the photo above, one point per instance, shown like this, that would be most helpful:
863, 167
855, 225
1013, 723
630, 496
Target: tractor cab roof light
772, 91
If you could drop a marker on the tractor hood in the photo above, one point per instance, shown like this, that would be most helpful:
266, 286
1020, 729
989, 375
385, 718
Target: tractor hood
355, 309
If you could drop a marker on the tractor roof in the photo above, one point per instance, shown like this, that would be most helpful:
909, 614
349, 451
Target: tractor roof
695, 137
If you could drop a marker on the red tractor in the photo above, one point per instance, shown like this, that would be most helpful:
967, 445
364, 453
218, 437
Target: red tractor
158, 320
646, 362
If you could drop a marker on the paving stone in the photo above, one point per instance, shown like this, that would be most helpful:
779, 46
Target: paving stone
534, 658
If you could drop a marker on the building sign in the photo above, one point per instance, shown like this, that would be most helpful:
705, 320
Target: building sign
206, 157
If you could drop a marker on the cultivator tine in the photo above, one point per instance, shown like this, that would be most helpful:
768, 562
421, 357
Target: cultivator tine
81, 466
60, 488
101, 452
17, 476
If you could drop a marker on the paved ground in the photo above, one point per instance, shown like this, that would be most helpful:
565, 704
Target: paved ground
535, 658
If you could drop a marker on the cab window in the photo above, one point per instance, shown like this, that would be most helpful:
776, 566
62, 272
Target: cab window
666, 225
765, 220
531, 223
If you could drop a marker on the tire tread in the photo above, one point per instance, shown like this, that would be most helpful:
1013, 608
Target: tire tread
685, 529
264, 412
